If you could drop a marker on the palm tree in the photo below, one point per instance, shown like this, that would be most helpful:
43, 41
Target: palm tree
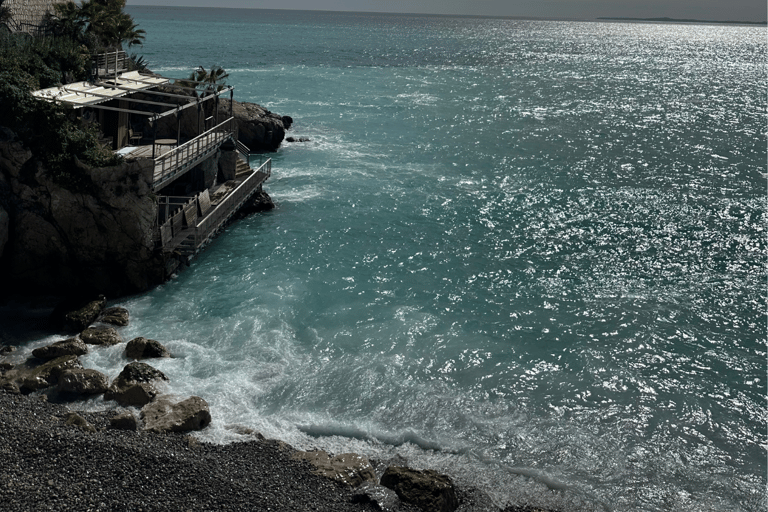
210, 81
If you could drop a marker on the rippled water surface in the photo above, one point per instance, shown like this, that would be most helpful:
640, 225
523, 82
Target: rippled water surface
531, 254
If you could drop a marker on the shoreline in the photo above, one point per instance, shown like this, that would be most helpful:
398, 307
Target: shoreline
50, 465
65, 456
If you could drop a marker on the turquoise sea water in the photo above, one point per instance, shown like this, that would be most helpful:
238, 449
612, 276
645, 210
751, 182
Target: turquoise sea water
531, 254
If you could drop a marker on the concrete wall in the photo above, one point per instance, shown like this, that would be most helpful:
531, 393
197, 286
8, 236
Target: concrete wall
29, 12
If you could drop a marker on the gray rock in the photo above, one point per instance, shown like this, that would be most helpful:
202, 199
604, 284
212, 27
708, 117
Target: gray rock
348, 468
135, 385
75, 420
143, 348
124, 421
83, 382
378, 495
105, 336
27, 379
429, 490
70, 346
83, 316
167, 415
115, 316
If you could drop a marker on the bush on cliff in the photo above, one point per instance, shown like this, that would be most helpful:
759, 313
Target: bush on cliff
49, 131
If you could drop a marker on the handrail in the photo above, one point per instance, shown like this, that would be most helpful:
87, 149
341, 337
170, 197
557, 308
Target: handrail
182, 156
231, 204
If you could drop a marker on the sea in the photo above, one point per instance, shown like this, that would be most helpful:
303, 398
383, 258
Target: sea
530, 254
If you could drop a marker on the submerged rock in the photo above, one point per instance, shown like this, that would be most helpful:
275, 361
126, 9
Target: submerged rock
428, 489
167, 415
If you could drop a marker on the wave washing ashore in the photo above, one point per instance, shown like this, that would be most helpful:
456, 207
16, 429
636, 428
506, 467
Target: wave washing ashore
529, 254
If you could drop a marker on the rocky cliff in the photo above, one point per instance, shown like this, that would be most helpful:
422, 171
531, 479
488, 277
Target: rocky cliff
95, 236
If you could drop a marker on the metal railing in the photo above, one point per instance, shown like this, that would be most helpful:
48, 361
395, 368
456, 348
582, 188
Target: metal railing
183, 231
211, 223
182, 157
110, 63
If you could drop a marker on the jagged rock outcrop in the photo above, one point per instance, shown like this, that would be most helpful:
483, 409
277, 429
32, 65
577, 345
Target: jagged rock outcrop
167, 415
135, 385
96, 235
428, 490
80, 382
70, 346
348, 468
143, 348
104, 336
115, 316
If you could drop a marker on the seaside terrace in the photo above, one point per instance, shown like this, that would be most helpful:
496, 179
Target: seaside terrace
140, 115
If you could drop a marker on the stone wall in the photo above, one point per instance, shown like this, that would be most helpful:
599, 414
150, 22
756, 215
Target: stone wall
29, 13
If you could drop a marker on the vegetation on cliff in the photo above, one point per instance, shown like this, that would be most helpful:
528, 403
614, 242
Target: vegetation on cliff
74, 32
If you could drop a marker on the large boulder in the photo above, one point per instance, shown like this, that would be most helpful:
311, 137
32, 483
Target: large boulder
82, 382
104, 336
115, 316
143, 348
428, 490
257, 128
135, 385
167, 415
70, 346
348, 468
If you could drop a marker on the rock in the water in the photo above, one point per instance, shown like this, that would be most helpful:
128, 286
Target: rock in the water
70, 346
105, 336
32, 379
75, 420
257, 128
428, 489
124, 421
166, 415
349, 468
77, 314
115, 316
6, 349
143, 348
135, 385
83, 382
